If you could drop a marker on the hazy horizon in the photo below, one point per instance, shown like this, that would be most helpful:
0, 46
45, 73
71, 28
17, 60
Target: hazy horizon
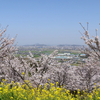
50, 22
47, 44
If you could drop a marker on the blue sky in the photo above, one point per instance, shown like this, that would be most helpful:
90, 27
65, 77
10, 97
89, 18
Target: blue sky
49, 21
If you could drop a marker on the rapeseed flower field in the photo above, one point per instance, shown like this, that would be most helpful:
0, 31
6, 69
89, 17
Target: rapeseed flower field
16, 91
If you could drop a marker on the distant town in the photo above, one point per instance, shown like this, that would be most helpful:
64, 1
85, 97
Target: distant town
43, 47
65, 52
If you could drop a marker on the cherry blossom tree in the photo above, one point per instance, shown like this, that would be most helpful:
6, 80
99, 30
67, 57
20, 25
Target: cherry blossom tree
37, 72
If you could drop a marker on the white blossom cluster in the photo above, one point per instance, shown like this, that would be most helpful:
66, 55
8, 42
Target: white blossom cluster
49, 70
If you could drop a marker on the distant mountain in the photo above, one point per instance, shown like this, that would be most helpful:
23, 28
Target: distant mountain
69, 45
36, 45
60, 45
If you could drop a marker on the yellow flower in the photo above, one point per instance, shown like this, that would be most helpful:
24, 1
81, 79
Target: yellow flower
51, 84
57, 83
12, 82
1, 83
2, 79
17, 83
90, 96
51, 96
23, 73
58, 98
0, 88
96, 93
25, 98
38, 98
72, 99
11, 98
27, 81
78, 91
67, 91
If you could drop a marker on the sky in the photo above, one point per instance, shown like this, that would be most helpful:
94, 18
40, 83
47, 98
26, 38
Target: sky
50, 22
